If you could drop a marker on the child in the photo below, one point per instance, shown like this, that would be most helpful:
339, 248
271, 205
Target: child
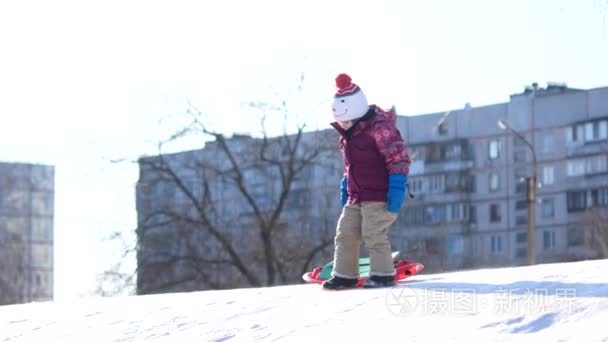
376, 165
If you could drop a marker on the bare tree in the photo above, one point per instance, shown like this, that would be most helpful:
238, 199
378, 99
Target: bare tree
237, 207
119, 279
241, 211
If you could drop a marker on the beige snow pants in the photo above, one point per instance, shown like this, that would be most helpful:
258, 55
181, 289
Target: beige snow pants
367, 221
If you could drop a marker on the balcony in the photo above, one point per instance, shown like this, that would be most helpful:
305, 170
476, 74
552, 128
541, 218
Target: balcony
573, 149
447, 166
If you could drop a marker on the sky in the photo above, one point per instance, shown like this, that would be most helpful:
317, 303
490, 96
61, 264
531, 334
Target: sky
86, 83
550, 302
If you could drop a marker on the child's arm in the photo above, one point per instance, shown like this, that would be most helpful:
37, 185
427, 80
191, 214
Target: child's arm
392, 148
397, 160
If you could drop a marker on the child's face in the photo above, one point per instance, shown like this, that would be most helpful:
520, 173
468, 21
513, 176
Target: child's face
345, 124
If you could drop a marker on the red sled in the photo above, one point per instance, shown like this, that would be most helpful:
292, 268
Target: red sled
403, 270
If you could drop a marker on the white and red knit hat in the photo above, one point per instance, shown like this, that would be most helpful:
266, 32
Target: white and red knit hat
349, 102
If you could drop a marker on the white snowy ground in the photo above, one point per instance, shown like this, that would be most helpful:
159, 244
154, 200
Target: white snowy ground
553, 302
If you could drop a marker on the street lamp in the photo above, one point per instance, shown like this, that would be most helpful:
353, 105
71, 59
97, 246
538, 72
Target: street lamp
504, 125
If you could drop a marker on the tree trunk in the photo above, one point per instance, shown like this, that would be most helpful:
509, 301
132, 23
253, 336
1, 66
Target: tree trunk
268, 256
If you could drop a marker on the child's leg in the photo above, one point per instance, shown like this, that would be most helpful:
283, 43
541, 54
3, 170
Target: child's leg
348, 243
376, 221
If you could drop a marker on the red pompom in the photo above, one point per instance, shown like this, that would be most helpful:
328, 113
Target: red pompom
343, 81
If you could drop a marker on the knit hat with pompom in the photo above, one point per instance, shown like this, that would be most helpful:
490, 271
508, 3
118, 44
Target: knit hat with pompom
349, 101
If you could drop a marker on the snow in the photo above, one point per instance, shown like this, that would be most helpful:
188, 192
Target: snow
550, 302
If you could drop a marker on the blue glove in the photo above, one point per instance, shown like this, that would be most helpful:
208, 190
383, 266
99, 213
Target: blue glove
343, 192
397, 187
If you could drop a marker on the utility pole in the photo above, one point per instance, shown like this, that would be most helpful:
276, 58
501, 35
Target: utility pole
531, 194
532, 219
532, 185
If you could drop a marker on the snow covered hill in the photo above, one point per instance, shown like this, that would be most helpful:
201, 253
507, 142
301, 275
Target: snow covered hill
553, 302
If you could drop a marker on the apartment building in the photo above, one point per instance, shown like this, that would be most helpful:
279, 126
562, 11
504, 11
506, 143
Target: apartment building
26, 232
470, 174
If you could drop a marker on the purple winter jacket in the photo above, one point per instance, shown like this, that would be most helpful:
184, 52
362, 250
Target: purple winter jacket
372, 149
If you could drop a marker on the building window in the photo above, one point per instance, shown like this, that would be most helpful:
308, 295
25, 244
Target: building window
437, 183
521, 204
472, 214
16, 202
521, 252
297, 199
494, 213
521, 238
415, 185
417, 152
42, 255
455, 245
520, 173
599, 197
496, 244
41, 203
456, 212
470, 183
42, 229
435, 214
577, 200
596, 130
452, 152
521, 220
588, 166
547, 146
521, 186
413, 216
589, 131
575, 168
519, 156
433, 152
456, 182
548, 207
494, 149
548, 239
603, 130
494, 182
417, 166
597, 164
576, 237
548, 175
443, 128
574, 135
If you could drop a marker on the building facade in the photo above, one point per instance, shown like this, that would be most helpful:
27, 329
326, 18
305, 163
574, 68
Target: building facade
468, 177
26, 232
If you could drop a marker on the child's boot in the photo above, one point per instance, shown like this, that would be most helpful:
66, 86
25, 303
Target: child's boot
339, 283
379, 281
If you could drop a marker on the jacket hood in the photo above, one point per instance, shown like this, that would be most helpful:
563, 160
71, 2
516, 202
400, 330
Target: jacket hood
386, 116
